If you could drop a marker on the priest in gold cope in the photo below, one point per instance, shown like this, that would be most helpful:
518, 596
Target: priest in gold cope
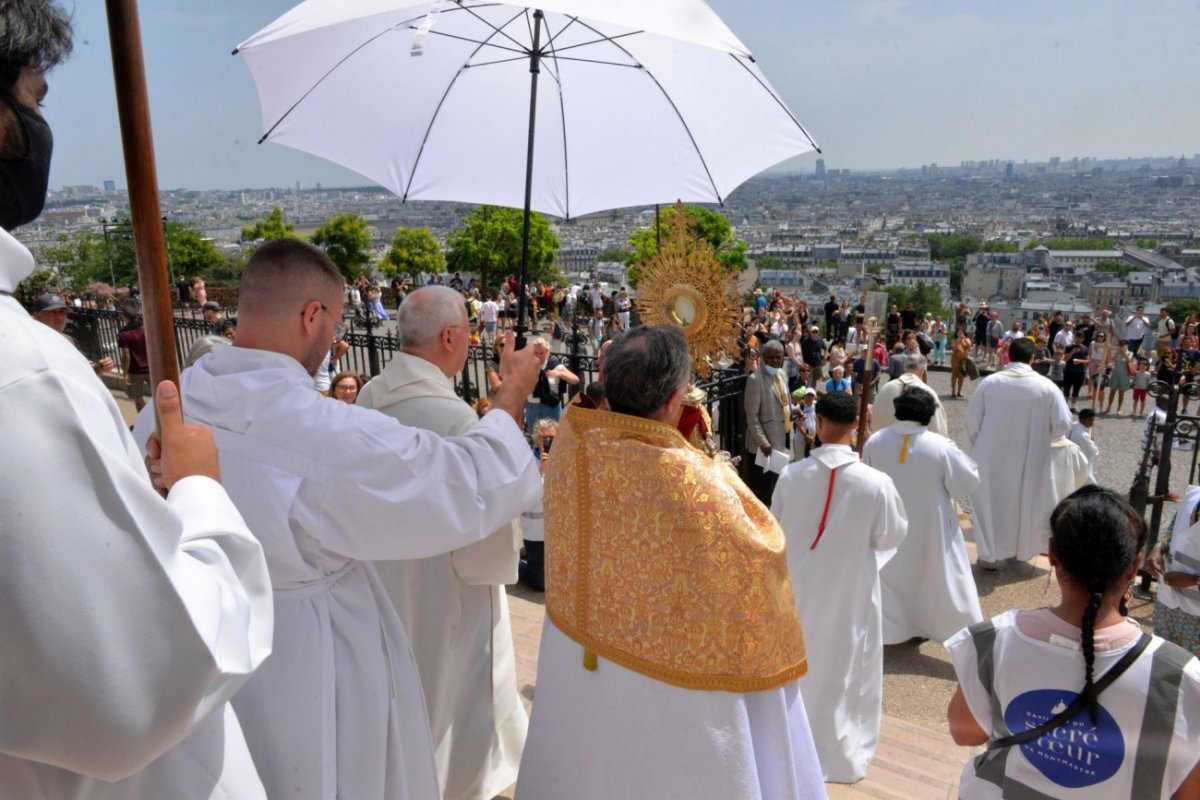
671, 635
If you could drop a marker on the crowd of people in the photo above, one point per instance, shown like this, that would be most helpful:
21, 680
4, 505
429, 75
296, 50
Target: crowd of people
296, 593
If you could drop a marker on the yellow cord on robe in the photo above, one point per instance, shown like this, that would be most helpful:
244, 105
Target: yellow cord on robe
589, 660
904, 449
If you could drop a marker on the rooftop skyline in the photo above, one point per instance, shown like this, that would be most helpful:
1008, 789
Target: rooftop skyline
880, 84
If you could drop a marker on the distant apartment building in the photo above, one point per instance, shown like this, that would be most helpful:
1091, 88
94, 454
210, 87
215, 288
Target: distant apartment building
910, 273
1104, 290
1084, 260
994, 274
782, 278
577, 259
820, 171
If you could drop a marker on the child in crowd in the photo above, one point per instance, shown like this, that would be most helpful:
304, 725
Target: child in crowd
1058, 368
1141, 382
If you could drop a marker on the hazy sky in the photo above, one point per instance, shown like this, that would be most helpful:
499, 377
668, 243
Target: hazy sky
878, 83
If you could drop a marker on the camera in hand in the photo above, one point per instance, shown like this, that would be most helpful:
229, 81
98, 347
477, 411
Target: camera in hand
549, 440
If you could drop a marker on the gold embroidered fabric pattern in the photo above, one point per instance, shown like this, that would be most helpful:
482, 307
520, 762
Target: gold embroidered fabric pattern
659, 559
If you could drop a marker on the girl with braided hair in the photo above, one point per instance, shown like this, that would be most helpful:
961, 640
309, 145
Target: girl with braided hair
1132, 729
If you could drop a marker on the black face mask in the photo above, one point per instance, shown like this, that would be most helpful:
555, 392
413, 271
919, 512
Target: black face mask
23, 181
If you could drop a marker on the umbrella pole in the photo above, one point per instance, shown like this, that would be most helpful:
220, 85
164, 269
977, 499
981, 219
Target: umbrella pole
535, 57
133, 109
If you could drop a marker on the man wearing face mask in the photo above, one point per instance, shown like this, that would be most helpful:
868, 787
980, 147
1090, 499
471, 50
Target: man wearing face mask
129, 619
768, 418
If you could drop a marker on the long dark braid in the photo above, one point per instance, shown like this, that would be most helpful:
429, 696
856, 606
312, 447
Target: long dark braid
1088, 641
1095, 536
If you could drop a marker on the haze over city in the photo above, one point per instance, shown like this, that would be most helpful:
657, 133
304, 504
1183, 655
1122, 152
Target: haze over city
880, 84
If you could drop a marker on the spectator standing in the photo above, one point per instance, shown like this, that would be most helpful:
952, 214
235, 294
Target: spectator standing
135, 362
812, 350
1136, 326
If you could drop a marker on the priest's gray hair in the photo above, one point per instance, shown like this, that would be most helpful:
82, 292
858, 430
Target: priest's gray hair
427, 312
644, 366
916, 363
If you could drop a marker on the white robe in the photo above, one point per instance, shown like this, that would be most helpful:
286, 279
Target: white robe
837, 594
1082, 436
1011, 420
927, 588
455, 611
1068, 468
883, 411
126, 621
338, 710
614, 733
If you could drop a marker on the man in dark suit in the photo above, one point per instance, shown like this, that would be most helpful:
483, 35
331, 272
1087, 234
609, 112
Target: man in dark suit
768, 418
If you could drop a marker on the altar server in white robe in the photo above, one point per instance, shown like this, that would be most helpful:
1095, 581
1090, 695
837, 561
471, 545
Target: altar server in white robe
1069, 469
841, 518
328, 487
927, 588
127, 621
453, 605
916, 367
1012, 418
1082, 434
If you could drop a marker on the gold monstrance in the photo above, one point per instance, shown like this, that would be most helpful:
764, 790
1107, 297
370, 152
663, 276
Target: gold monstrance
685, 285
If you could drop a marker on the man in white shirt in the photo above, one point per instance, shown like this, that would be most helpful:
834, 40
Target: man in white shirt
129, 620
1066, 337
1135, 329
489, 313
1166, 332
328, 488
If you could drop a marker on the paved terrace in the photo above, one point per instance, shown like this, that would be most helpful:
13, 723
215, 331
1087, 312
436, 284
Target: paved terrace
916, 759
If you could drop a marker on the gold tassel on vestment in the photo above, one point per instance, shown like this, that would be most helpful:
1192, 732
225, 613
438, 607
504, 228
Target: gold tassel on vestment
589, 660
904, 449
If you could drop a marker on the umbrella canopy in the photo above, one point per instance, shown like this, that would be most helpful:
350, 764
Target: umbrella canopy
638, 103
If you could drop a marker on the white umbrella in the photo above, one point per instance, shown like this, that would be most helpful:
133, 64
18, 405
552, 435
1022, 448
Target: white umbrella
643, 101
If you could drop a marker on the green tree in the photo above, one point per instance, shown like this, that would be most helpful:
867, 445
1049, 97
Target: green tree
998, 246
489, 245
190, 252
1079, 243
611, 254
769, 262
874, 269
270, 228
947, 247
345, 239
413, 251
925, 297
1119, 268
1179, 310
77, 259
1146, 244
706, 224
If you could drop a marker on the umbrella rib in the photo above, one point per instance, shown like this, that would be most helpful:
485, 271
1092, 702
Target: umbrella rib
320, 80
602, 39
497, 61
433, 118
605, 63
500, 30
675, 108
521, 53
562, 110
775, 97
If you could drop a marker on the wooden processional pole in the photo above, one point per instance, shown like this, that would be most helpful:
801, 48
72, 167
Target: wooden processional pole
133, 107
864, 396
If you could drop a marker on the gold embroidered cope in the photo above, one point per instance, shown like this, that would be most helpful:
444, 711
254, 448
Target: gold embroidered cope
659, 559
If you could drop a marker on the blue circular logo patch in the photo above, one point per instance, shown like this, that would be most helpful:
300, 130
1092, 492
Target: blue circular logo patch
1076, 753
